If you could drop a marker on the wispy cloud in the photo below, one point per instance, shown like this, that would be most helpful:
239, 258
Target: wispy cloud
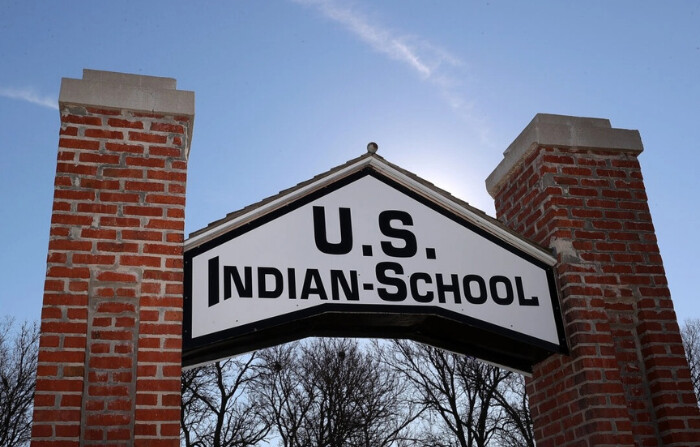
29, 95
431, 63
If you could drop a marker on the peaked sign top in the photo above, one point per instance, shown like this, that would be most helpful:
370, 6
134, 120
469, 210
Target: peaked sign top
371, 250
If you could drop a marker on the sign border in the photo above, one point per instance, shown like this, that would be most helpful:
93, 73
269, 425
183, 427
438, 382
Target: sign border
219, 344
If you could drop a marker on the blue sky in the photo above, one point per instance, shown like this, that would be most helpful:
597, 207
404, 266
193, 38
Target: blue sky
288, 89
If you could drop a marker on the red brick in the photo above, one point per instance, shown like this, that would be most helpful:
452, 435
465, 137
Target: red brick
161, 329
73, 168
91, 157
71, 400
100, 390
174, 213
79, 144
62, 180
146, 162
97, 233
119, 197
97, 208
118, 247
160, 414
121, 434
142, 261
121, 147
148, 429
99, 184
174, 289
175, 315
143, 211
68, 272
61, 206
144, 186
117, 122
108, 419
176, 188
165, 127
147, 137
112, 362
141, 235
68, 130
116, 277
166, 175
76, 314
42, 431
62, 415
166, 224
170, 429
100, 133
63, 385
558, 159
58, 258
116, 307
124, 322
65, 356
163, 249
75, 119
165, 199
71, 219
110, 221
163, 151
65, 155
74, 194
63, 299
123, 173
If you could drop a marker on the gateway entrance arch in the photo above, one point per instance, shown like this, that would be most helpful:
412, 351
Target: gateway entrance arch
369, 249
568, 285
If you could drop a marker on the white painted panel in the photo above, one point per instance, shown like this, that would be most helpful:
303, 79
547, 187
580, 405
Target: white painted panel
288, 243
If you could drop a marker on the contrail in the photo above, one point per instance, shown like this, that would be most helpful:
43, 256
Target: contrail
432, 64
31, 96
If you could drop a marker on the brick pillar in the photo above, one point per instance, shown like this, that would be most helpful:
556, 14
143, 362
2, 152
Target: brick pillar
575, 185
110, 347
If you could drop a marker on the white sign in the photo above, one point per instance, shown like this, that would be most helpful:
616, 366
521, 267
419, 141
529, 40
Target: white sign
370, 245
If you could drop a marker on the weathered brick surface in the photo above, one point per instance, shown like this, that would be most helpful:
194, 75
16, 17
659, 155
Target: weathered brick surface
109, 359
626, 381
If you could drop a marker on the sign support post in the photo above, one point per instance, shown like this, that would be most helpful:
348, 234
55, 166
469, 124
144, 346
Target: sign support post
575, 185
110, 348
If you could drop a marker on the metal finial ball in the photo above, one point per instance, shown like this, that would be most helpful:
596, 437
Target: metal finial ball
372, 148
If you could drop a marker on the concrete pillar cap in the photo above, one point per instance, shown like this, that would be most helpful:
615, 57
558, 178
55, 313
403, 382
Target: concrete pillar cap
127, 91
562, 131
139, 93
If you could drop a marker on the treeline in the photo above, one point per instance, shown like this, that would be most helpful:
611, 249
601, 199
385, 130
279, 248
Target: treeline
341, 392
324, 393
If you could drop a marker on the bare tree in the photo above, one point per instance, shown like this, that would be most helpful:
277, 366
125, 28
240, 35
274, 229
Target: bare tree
341, 393
286, 398
216, 408
18, 356
194, 415
690, 333
517, 429
333, 393
469, 402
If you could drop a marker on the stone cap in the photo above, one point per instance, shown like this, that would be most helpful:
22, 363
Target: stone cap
127, 91
562, 131
140, 93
